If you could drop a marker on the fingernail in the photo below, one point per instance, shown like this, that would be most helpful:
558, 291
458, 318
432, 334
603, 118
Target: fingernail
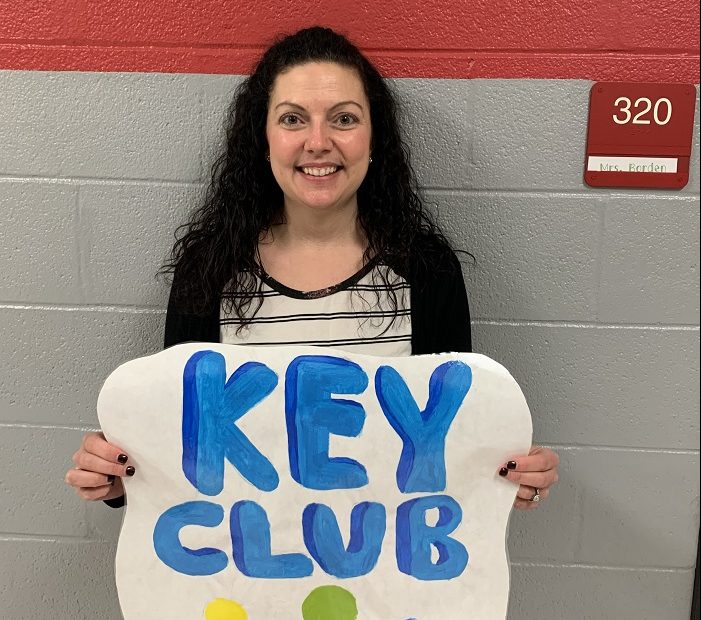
511, 465
130, 471
122, 458
503, 471
110, 479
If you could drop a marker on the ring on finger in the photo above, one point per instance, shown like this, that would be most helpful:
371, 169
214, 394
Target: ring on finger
536, 496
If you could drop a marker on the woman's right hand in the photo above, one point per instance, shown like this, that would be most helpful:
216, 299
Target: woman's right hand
99, 468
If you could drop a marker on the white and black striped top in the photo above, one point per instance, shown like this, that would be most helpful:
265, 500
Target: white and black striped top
355, 315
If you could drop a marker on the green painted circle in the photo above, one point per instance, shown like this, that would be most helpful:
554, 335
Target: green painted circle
329, 603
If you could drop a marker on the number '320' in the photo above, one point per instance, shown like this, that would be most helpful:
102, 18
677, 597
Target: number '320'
661, 111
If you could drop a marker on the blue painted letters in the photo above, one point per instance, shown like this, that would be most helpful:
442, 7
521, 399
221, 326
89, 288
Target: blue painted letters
323, 538
422, 462
415, 538
211, 406
250, 537
312, 415
210, 436
166, 542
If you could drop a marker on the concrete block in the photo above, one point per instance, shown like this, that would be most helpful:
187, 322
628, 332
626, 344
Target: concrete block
48, 580
126, 233
650, 260
106, 125
550, 533
529, 134
38, 249
603, 386
639, 508
34, 498
597, 593
438, 124
216, 94
54, 362
104, 523
536, 256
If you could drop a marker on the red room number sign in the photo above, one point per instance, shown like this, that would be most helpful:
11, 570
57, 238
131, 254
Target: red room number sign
639, 135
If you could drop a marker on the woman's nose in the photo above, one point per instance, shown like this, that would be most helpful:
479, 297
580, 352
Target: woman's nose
318, 138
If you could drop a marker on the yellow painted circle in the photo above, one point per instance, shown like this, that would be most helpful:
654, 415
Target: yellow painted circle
224, 609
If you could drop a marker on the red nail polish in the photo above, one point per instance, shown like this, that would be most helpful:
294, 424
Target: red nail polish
130, 471
122, 458
511, 465
503, 471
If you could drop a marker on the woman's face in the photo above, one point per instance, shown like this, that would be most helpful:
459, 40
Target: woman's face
318, 129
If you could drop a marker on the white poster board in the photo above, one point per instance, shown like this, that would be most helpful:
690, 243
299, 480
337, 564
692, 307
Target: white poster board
311, 484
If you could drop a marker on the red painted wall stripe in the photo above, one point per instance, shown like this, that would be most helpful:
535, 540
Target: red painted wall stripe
588, 39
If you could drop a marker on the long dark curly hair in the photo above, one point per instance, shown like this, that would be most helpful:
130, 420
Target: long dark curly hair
217, 249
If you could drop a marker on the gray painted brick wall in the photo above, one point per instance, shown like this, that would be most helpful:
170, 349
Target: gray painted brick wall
589, 296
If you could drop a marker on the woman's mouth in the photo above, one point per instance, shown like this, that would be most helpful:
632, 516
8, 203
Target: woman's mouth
314, 171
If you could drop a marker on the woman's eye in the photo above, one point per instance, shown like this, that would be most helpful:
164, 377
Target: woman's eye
289, 119
346, 120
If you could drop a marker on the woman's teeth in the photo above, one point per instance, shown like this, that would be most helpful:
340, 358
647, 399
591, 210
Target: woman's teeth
320, 172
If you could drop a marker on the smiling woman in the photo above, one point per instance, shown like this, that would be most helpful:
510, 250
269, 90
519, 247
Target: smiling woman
319, 131
313, 232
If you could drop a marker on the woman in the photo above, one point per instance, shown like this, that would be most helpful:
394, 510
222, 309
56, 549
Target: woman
313, 233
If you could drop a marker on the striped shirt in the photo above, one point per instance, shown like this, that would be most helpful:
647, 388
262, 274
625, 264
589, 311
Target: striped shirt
356, 315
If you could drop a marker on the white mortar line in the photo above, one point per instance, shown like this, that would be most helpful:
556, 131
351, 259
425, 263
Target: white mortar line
506, 322
594, 193
52, 427
98, 181
13, 537
585, 191
555, 446
85, 308
588, 325
657, 569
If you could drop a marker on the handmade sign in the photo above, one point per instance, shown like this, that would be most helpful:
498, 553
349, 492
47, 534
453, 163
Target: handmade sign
311, 484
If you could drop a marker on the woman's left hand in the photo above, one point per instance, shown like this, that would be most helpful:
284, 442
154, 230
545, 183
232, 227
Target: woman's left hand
535, 473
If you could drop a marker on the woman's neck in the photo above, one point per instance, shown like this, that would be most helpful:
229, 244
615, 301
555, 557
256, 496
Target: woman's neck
313, 248
319, 227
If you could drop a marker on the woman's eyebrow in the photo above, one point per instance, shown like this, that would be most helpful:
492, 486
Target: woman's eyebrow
333, 107
290, 104
345, 103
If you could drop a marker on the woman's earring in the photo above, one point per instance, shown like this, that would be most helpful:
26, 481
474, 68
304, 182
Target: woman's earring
267, 157
370, 160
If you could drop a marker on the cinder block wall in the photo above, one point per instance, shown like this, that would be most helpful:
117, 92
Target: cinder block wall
590, 297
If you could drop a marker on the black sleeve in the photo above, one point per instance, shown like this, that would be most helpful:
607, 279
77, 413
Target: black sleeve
439, 308
182, 327
117, 502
